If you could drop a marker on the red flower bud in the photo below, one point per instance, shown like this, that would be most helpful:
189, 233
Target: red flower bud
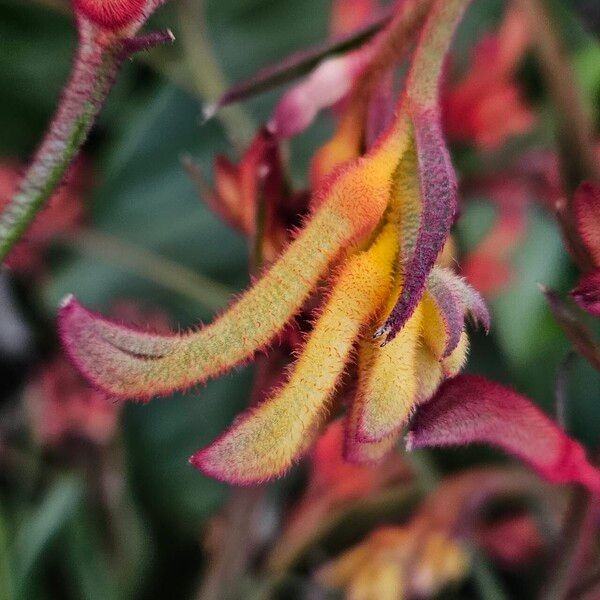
111, 14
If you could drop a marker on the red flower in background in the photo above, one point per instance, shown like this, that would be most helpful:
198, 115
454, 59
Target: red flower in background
488, 266
486, 106
349, 15
64, 212
514, 541
62, 404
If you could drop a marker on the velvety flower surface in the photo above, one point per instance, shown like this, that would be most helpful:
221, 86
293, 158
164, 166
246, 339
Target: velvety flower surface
471, 409
378, 222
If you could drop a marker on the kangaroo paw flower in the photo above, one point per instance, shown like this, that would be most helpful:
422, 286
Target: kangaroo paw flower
116, 359
264, 443
383, 212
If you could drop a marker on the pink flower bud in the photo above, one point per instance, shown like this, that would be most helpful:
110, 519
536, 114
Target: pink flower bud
111, 14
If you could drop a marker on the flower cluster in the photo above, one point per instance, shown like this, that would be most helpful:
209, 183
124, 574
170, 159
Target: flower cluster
432, 548
377, 224
487, 107
376, 228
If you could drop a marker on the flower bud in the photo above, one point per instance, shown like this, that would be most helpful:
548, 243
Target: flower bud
111, 14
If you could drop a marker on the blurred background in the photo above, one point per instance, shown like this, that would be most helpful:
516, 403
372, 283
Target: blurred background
97, 500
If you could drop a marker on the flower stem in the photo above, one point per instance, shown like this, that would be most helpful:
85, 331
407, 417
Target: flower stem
578, 535
575, 131
93, 74
237, 545
97, 61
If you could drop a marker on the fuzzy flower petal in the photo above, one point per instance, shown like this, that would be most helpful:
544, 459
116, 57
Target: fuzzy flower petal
128, 364
264, 443
472, 409
387, 388
437, 178
446, 301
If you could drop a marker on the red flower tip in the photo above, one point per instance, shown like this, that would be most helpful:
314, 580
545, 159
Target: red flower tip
111, 14
471, 409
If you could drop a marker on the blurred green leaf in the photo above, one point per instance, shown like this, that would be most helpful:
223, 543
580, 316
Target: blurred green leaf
33, 68
6, 561
87, 563
148, 199
163, 435
520, 320
42, 526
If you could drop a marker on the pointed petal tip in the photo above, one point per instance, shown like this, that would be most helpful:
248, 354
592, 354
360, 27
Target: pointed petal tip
67, 301
210, 462
69, 314
209, 111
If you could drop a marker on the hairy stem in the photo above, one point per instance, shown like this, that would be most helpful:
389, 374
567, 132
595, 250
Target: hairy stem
93, 74
95, 68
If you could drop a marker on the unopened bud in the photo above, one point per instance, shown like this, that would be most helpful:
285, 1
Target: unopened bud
111, 14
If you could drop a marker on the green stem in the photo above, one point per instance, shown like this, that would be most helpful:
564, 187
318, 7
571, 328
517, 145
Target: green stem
93, 74
162, 271
95, 67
